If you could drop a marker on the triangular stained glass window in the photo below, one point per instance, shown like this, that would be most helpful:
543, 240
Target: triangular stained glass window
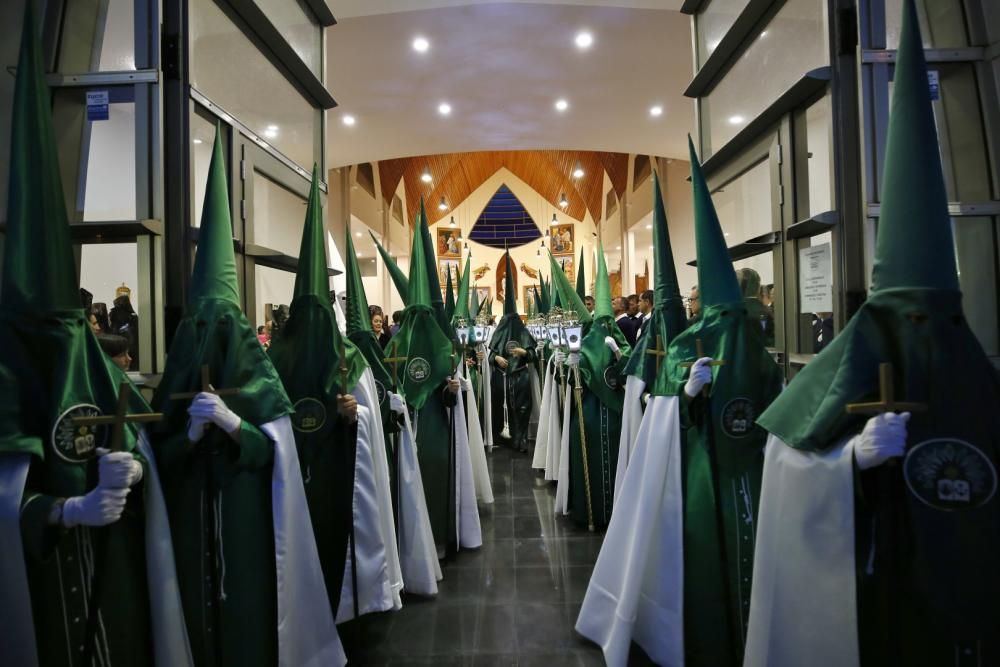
504, 219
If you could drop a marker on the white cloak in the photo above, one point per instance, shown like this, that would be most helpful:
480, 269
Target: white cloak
542, 435
631, 421
549, 441
380, 578
170, 641
804, 560
562, 467
485, 380
536, 404
468, 529
477, 447
636, 592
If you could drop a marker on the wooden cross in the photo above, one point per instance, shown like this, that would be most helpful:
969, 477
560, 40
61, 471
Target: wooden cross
658, 352
206, 388
119, 418
343, 367
394, 361
887, 394
700, 353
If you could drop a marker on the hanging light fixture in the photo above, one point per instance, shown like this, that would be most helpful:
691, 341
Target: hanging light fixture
578, 170
452, 223
443, 206
555, 220
563, 202
426, 176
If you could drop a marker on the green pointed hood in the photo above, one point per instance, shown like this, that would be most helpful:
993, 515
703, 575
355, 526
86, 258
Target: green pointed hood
913, 317
476, 305
537, 297
581, 280
667, 318
426, 347
716, 278
395, 273
214, 332
359, 329
39, 271
509, 297
357, 302
312, 358
566, 295
489, 306
449, 296
54, 368
914, 247
312, 277
602, 287
544, 293
214, 275
462, 299
430, 260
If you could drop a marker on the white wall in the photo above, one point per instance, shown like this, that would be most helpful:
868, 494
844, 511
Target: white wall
105, 266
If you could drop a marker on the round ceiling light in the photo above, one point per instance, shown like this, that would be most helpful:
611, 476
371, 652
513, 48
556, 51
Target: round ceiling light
736, 120
444, 108
426, 176
584, 40
656, 111
349, 120
420, 44
562, 105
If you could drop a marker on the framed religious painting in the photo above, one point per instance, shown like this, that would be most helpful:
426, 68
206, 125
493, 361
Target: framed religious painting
529, 297
483, 294
443, 266
448, 244
562, 240
568, 266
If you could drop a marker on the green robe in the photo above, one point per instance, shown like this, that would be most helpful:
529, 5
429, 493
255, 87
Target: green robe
742, 389
512, 385
218, 493
436, 456
62, 563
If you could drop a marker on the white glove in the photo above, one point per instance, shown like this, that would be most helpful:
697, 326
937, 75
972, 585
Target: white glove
701, 374
396, 403
98, 508
882, 438
211, 408
465, 383
645, 398
611, 343
117, 470
196, 428
573, 359
559, 357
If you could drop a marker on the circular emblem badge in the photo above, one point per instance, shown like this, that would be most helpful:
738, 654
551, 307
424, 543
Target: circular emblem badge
76, 443
380, 392
418, 369
511, 346
738, 417
611, 377
949, 474
309, 415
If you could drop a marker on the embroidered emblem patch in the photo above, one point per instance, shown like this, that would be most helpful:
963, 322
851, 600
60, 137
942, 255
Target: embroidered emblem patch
511, 346
309, 415
380, 392
738, 417
949, 474
611, 377
75, 443
418, 369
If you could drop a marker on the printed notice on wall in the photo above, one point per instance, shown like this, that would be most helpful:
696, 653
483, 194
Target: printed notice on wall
816, 279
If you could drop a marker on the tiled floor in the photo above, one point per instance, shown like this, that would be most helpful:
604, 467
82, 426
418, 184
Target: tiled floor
512, 602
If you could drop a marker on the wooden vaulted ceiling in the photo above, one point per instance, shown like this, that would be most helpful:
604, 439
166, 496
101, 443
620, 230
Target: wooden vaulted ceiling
457, 175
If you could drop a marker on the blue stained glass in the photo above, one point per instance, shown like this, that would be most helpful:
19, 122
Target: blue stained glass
504, 219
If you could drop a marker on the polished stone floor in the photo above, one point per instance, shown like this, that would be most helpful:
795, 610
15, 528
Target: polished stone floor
512, 602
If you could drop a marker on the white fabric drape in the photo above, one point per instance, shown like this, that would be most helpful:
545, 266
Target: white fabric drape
468, 528
477, 447
562, 469
636, 591
631, 421
485, 381
804, 560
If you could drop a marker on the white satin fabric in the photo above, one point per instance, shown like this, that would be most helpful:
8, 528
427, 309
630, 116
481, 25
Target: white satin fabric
477, 447
417, 552
631, 420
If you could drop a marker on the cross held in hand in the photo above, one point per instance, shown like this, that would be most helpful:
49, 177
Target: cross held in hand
394, 362
206, 388
699, 354
887, 395
658, 352
119, 418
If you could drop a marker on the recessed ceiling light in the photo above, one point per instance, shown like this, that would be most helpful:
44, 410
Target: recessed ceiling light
736, 120
652, 248
726, 234
197, 141
562, 105
584, 40
271, 131
348, 120
444, 108
713, 45
649, 226
420, 44
426, 176
764, 34
618, 247
656, 111
578, 170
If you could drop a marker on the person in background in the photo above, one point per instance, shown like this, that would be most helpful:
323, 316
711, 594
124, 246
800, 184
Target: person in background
116, 347
588, 301
264, 334
694, 306
628, 327
381, 334
397, 318
100, 312
633, 305
645, 310
94, 326
125, 322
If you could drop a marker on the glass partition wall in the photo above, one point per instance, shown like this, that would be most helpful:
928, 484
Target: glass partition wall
794, 159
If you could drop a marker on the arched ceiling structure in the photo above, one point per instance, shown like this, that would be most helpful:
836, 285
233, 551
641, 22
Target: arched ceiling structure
457, 175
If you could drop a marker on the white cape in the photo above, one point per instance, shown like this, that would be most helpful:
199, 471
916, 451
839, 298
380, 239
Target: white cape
307, 635
631, 420
468, 528
804, 560
170, 641
562, 465
380, 579
549, 440
477, 447
636, 591
536, 404
486, 380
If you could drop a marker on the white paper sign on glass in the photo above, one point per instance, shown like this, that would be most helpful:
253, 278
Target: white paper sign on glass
816, 279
